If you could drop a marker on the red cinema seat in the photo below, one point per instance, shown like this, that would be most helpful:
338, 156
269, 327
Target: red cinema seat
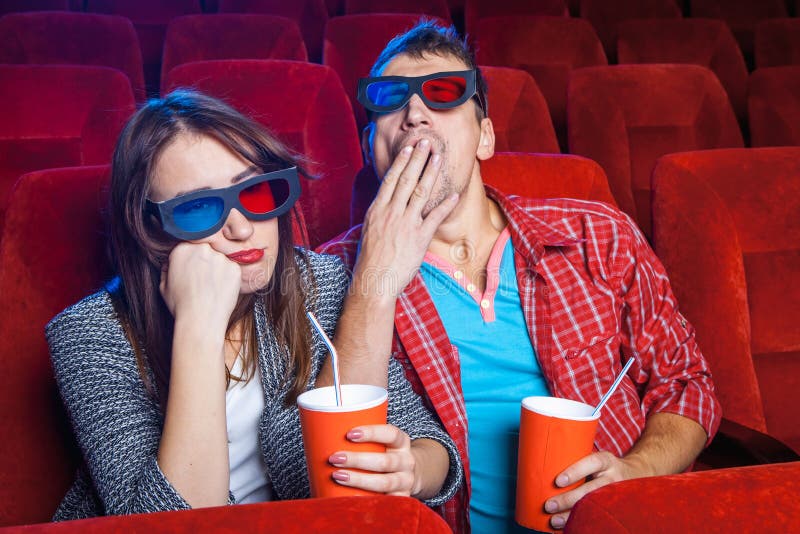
58, 115
15, 6
774, 106
705, 42
58, 37
745, 499
310, 16
304, 105
606, 14
777, 43
150, 18
353, 43
433, 8
231, 36
727, 227
546, 47
477, 10
627, 116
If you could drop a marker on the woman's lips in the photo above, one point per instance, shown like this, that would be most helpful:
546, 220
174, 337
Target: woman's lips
245, 257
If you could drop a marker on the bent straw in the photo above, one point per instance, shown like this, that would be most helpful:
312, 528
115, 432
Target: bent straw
337, 386
613, 387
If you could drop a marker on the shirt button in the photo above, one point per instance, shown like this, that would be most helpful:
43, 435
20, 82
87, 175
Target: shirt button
485, 304
470, 287
457, 275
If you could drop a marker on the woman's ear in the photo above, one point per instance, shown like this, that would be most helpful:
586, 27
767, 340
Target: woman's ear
486, 141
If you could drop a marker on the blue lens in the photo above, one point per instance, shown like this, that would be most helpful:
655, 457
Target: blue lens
198, 214
389, 94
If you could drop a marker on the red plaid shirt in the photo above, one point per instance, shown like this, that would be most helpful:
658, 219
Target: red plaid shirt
594, 295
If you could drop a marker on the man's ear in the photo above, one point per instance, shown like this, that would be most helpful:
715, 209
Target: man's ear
486, 141
366, 142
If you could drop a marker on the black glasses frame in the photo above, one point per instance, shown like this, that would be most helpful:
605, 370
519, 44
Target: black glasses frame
415, 88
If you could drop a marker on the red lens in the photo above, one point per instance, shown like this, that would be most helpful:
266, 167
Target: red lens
258, 198
444, 90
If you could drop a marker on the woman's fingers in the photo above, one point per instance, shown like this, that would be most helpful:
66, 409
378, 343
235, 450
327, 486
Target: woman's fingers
387, 483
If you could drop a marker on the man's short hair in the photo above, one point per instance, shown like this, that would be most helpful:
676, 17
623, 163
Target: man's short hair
427, 37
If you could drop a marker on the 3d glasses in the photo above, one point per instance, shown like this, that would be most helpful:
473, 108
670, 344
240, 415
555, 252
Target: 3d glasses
202, 213
441, 90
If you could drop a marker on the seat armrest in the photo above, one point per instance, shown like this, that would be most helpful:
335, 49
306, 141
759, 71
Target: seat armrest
737, 445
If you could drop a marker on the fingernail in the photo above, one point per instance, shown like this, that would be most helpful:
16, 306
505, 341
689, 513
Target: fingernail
562, 480
424, 143
557, 522
355, 434
435, 159
407, 150
551, 507
340, 475
337, 459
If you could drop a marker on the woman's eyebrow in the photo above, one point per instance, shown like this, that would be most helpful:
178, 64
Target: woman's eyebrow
252, 169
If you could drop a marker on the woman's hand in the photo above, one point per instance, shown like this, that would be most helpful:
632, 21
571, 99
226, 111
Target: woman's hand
409, 468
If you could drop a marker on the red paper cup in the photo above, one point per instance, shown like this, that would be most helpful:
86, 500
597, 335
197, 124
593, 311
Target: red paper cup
325, 426
553, 434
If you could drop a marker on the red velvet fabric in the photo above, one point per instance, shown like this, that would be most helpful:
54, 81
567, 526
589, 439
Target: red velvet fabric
310, 16
230, 36
59, 115
705, 42
340, 515
727, 227
625, 117
744, 499
777, 43
477, 10
353, 43
15, 6
435, 8
546, 47
57, 37
305, 105
773, 105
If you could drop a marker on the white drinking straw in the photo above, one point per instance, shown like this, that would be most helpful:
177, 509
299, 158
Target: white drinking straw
613, 387
337, 386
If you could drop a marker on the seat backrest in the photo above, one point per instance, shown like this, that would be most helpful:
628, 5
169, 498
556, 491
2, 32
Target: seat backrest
353, 43
625, 117
477, 10
705, 42
546, 47
777, 42
38, 278
231, 36
727, 227
606, 14
434, 8
305, 106
58, 37
310, 16
15, 6
58, 115
773, 103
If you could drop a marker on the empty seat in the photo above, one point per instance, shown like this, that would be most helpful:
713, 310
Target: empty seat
606, 14
57, 116
777, 43
57, 37
304, 105
705, 42
434, 8
15, 6
477, 10
231, 36
727, 227
546, 47
310, 16
625, 117
774, 106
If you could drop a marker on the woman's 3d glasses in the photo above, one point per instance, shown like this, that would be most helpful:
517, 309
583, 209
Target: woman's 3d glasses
441, 90
202, 213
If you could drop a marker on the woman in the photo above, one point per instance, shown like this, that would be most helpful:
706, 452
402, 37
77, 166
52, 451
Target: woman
181, 376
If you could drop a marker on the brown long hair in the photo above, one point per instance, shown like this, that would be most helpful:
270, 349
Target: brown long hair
139, 247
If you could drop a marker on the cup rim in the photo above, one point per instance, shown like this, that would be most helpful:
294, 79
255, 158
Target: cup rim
546, 406
377, 394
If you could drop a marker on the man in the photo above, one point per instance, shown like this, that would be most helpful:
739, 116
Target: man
487, 298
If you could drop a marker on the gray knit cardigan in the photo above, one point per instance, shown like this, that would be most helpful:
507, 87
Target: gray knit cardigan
118, 424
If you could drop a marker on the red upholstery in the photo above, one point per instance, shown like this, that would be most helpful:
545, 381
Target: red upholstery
548, 48
310, 16
744, 499
774, 106
341, 515
477, 10
625, 117
57, 37
704, 42
231, 36
353, 43
38, 278
150, 18
777, 42
435, 8
727, 227
741, 15
55, 116
14, 6
304, 104
606, 14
